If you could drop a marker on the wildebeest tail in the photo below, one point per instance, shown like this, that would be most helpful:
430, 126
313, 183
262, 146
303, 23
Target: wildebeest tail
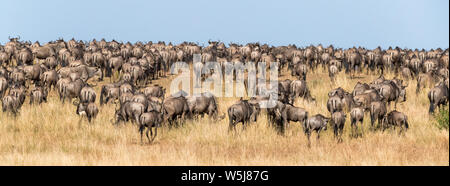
406, 122
432, 98
108, 69
418, 84
102, 92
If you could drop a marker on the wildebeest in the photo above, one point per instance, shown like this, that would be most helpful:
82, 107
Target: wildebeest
334, 104
204, 103
392, 92
438, 96
88, 109
49, 79
150, 120
396, 119
3, 86
296, 114
332, 71
39, 95
377, 111
109, 92
299, 88
300, 70
175, 109
243, 112
72, 89
129, 111
356, 115
11, 104
154, 91
87, 94
338, 122
316, 123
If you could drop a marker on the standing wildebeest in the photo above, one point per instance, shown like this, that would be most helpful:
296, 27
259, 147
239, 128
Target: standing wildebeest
175, 108
338, 122
392, 92
284, 89
377, 111
334, 104
109, 92
355, 63
428, 79
356, 115
300, 89
332, 71
49, 79
395, 118
11, 104
150, 120
33, 72
3, 86
87, 94
317, 123
205, 103
114, 63
438, 96
25, 57
277, 115
38, 94
90, 110
300, 70
43, 52
243, 112
296, 114
129, 110
72, 89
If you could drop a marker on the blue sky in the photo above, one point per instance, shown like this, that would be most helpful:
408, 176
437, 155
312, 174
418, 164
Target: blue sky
343, 23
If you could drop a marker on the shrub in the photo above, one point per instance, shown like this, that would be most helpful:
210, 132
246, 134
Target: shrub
442, 119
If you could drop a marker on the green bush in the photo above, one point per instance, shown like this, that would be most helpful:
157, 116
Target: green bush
442, 119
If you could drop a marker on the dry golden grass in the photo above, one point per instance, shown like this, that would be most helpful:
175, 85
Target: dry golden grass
51, 134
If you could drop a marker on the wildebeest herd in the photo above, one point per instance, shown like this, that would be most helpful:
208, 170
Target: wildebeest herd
71, 67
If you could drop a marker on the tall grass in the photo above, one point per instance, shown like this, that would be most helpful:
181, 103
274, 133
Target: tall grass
52, 134
442, 119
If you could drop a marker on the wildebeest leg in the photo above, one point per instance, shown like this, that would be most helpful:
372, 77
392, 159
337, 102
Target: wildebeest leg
156, 132
362, 129
308, 135
352, 124
151, 134
335, 131
318, 134
141, 131
341, 131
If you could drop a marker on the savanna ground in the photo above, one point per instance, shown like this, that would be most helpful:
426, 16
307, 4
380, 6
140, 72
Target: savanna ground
51, 134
